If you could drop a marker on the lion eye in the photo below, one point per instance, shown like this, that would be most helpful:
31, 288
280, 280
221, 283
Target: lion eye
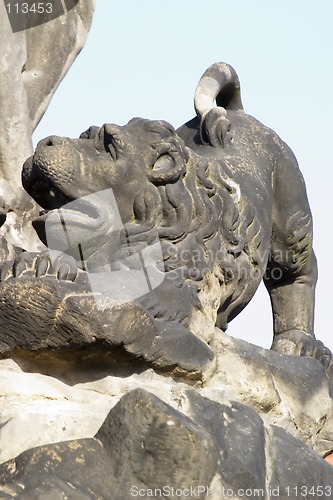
164, 163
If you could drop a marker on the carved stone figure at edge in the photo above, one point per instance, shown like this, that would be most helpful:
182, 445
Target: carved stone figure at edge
228, 203
32, 65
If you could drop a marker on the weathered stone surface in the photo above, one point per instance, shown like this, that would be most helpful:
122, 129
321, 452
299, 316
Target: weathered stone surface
143, 443
77, 389
52, 410
295, 470
74, 470
239, 435
145, 447
30, 73
47, 64
153, 445
289, 391
62, 316
66, 327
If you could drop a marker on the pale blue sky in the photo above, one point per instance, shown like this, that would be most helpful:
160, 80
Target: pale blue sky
145, 58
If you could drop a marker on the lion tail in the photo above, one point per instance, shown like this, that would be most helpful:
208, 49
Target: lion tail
220, 84
217, 92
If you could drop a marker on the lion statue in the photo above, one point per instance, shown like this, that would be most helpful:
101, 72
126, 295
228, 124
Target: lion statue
223, 196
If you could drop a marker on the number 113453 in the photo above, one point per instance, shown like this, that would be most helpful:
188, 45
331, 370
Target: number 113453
26, 8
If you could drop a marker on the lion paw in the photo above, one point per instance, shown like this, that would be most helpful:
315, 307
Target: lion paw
37, 265
171, 302
299, 343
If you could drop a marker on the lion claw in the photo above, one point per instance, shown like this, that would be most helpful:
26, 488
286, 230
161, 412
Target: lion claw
34, 265
299, 343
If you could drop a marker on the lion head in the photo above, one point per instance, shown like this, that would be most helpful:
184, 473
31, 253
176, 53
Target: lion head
161, 189
160, 186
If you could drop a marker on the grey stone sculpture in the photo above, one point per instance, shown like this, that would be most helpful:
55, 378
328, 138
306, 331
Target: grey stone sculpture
32, 64
229, 211
157, 239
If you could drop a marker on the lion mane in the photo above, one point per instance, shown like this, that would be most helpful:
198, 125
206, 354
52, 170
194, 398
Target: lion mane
197, 211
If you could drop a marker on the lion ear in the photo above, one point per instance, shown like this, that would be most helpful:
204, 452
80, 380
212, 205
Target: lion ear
90, 133
168, 167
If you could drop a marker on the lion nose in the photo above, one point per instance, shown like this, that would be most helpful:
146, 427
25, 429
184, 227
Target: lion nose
53, 140
55, 158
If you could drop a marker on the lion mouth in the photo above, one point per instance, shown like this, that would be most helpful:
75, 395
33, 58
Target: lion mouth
52, 199
48, 196
84, 213
64, 216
